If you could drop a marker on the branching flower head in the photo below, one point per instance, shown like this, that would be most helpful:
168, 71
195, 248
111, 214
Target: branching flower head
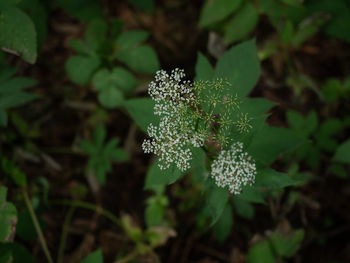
192, 114
233, 168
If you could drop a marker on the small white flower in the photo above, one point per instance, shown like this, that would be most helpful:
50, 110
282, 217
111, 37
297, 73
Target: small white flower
233, 168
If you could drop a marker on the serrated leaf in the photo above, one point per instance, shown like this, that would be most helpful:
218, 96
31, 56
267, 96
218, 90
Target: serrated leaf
8, 217
204, 70
94, 257
18, 252
18, 34
269, 142
156, 177
287, 245
223, 227
261, 252
142, 59
131, 39
80, 68
243, 208
85, 10
240, 66
111, 98
216, 200
141, 111
272, 179
216, 10
241, 24
118, 78
342, 154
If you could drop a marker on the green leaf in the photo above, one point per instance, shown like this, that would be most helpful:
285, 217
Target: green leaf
8, 217
223, 227
85, 10
17, 252
142, 59
96, 32
80, 68
156, 177
342, 154
216, 201
287, 245
111, 98
18, 33
131, 39
239, 26
216, 10
272, 179
240, 66
145, 5
94, 257
292, 2
261, 252
3, 118
118, 78
269, 142
303, 126
339, 12
87, 147
251, 194
141, 111
154, 213
204, 70
243, 208
287, 33
331, 89
99, 136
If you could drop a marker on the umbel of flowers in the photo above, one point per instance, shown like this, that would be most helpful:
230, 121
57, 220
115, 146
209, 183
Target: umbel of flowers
193, 114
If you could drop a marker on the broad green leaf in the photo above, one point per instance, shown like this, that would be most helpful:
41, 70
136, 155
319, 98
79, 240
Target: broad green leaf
287, 32
118, 78
85, 10
243, 208
141, 59
287, 245
272, 179
216, 10
88, 147
131, 39
240, 66
8, 217
261, 252
145, 5
240, 25
6, 73
303, 126
339, 11
204, 70
251, 194
96, 32
223, 227
15, 85
154, 211
141, 111
270, 142
25, 228
156, 177
216, 201
342, 154
3, 118
18, 253
80, 68
111, 98
18, 34
94, 257
15, 99
331, 89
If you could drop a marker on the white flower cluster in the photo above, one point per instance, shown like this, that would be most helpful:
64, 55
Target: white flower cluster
176, 133
233, 168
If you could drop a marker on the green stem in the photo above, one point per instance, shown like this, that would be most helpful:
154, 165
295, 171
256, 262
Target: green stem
37, 226
86, 205
64, 234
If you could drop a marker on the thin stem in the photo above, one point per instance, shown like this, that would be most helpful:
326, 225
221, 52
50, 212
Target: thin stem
37, 226
64, 234
86, 205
